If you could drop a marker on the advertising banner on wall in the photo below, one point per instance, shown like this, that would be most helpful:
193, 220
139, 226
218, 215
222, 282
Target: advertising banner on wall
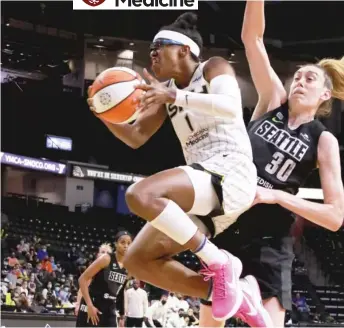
84, 172
33, 163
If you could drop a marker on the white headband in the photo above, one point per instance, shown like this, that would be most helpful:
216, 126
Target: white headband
179, 37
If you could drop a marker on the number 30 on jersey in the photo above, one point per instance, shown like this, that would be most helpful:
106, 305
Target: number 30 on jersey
282, 168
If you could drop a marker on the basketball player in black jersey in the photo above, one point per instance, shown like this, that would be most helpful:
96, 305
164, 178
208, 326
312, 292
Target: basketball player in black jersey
105, 294
103, 249
288, 143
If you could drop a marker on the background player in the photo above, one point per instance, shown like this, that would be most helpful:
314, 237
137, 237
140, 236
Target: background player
105, 294
203, 102
103, 249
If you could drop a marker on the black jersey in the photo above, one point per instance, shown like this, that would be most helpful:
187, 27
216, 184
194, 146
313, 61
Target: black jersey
284, 158
107, 295
108, 282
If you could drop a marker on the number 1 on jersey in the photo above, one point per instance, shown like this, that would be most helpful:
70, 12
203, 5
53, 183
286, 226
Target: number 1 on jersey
187, 118
283, 170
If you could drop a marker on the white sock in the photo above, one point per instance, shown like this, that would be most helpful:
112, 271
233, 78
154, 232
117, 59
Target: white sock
210, 254
175, 223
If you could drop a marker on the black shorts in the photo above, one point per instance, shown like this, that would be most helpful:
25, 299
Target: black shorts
265, 248
108, 317
134, 322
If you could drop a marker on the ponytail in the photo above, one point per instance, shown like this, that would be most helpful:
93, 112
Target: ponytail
334, 80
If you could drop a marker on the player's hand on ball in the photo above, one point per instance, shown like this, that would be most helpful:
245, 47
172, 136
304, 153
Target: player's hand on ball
156, 93
266, 196
90, 100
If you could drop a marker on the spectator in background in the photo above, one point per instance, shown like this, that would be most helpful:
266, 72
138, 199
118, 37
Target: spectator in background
53, 264
173, 303
57, 290
30, 297
73, 255
17, 271
12, 276
32, 285
177, 320
89, 260
36, 240
25, 272
136, 305
194, 303
9, 298
62, 279
46, 264
38, 304
302, 308
81, 253
12, 260
64, 294
59, 269
183, 304
23, 247
81, 263
31, 256
193, 321
24, 289
40, 275
23, 304
157, 313
70, 280
42, 253
48, 291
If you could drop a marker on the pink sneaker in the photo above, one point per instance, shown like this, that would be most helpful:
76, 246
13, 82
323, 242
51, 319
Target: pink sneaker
227, 294
252, 310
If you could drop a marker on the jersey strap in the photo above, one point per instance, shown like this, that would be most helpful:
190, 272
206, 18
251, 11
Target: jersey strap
272, 113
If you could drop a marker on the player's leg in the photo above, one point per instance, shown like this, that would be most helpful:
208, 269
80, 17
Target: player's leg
276, 288
276, 311
164, 199
206, 318
149, 259
270, 261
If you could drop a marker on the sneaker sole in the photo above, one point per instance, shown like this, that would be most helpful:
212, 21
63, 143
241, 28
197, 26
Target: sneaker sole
238, 269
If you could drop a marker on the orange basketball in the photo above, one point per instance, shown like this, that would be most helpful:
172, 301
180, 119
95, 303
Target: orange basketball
113, 93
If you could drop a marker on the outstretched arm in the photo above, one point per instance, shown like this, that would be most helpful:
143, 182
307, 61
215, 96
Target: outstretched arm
269, 87
329, 215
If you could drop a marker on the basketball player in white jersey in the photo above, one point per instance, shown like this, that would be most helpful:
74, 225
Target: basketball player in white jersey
203, 101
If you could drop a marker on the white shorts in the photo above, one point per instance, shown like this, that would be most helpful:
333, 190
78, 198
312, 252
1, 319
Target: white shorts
225, 187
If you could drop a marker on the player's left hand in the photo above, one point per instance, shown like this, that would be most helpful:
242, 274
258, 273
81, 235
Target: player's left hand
266, 196
156, 93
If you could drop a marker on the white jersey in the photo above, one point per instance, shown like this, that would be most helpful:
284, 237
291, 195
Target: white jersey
203, 136
221, 146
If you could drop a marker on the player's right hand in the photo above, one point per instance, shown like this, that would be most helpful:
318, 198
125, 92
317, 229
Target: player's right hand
90, 100
92, 313
76, 310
